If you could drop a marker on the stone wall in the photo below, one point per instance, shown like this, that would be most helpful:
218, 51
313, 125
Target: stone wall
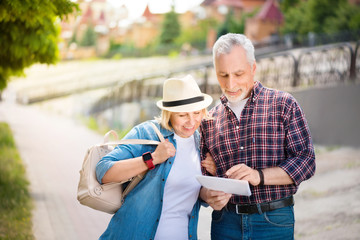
333, 114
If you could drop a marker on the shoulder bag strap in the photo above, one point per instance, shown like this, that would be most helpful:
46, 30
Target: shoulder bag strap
160, 136
135, 180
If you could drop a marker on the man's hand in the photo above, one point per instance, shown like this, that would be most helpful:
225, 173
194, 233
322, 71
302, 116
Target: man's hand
209, 164
216, 199
243, 172
272, 176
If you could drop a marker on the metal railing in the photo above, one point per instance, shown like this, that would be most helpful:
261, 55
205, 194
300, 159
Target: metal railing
317, 66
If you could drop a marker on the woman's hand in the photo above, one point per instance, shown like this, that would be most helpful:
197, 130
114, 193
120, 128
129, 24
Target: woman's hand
209, 164
216, 199
163, 151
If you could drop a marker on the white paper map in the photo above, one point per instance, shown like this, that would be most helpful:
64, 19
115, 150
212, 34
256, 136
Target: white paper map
234, 186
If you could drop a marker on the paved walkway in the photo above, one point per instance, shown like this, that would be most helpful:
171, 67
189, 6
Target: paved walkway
52, 148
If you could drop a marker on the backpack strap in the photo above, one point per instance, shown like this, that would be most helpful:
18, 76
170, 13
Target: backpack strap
161, 137
132, 141
107, 135
135, 180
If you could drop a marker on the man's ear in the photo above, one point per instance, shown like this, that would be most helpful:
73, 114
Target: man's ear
254, 68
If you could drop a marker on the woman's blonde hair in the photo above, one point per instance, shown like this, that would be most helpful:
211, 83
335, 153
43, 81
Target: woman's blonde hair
164, 118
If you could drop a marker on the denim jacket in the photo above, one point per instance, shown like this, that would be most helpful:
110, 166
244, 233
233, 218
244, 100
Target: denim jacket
139, 215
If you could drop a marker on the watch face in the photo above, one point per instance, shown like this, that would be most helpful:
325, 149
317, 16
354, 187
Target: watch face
147, 156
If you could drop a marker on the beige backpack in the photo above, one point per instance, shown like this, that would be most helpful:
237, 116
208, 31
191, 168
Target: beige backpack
106, 197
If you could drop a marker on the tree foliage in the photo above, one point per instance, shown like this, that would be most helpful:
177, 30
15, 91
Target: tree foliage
320, 16
89, 38
196, 35
287, 4
29, 31
235, 24
347, 17
170, 28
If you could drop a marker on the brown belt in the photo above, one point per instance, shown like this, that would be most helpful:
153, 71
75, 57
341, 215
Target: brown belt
265, 207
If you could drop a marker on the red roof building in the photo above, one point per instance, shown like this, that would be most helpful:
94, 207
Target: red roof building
207, 2
101, 20
266, 23
229, 3
147, 14
270, 12
145, 29
87, 18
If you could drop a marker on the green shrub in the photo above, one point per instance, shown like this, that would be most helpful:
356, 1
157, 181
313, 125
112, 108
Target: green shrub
15, 200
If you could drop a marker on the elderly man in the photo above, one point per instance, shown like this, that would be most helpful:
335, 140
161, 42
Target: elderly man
255, 134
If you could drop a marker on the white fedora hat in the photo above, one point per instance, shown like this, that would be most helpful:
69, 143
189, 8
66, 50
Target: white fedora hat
183, 95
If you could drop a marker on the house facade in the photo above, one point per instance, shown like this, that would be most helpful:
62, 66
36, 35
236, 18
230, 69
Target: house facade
113, 24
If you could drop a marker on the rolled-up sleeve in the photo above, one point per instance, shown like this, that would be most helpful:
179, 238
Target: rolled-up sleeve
300, 162
119, 153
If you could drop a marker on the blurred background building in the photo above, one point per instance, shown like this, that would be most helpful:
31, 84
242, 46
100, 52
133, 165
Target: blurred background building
101, 25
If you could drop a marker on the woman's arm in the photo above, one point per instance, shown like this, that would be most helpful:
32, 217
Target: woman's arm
128, 168
124, 170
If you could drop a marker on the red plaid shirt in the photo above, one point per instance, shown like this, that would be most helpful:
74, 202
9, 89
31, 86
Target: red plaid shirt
272, 131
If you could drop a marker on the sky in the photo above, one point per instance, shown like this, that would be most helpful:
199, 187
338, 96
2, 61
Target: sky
137, 7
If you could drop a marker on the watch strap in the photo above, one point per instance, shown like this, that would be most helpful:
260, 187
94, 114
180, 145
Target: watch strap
147, 158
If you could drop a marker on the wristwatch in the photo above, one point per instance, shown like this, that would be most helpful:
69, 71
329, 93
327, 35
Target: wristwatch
147, 158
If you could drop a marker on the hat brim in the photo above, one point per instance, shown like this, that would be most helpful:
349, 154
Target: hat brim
192, 107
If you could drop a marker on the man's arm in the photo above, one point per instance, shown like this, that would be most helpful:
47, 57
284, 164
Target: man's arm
300, 162
272, 176
276, 176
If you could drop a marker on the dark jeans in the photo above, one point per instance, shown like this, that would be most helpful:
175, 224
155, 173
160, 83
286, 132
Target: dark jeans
276, 224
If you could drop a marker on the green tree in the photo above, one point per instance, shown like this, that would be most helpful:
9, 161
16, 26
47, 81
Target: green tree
227, 25
29, 32
73, 38
297, 19
347, 17
320, 16
287, 4
170, 28
320, 11
89, 38
233, 24
199, 39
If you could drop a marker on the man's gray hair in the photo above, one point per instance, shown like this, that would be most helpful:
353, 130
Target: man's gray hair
226, 42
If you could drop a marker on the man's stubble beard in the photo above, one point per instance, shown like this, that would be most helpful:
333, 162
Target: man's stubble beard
243, 95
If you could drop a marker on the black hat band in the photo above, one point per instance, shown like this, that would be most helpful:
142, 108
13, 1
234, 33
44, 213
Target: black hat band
183, 102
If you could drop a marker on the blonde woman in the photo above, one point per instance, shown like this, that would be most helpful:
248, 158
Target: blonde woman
165, 204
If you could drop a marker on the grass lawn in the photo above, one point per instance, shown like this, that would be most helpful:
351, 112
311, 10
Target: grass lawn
15, 200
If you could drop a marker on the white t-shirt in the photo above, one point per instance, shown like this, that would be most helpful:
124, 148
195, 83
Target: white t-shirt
237, 107
181, 191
